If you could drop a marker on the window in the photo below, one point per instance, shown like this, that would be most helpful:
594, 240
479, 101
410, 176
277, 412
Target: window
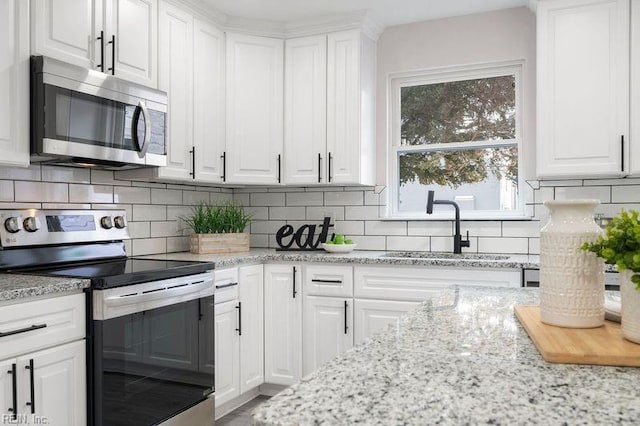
456, 133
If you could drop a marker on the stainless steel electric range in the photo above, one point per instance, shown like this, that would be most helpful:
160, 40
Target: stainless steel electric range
150, 325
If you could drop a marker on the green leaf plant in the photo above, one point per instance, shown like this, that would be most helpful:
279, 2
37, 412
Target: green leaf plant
620, 245
221, 218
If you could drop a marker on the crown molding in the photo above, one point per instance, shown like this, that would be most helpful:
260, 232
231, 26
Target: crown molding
533, 5
203, 10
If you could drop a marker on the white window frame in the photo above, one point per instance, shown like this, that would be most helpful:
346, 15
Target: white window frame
397, 81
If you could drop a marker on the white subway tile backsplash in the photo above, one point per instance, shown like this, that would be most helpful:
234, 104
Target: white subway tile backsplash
144, 246
90, 193
176, 212
258, 213
445, 244
166, 196
361, 212
602, 193
165, 229
543, 194
41, 192
435, 228
376, 227
304, 199
128, 208
149, 212
139, 229
131, 195
534, 245
481, 228
344, 198
503, 245
66, 206
397, 243
242, 199
268, 199
625, 194
287, 213
371, 198
193, 198
220, 197
371, 242
65, 174
266, 226
6, 190
348, 227
105, 177
176, 244
521, 229
319, 213
259, 240
21, 173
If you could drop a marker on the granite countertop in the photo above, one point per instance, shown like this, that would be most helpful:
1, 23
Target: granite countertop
460, 358
13, 286
356, 258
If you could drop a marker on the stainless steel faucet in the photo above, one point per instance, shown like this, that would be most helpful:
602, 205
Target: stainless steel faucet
458, 242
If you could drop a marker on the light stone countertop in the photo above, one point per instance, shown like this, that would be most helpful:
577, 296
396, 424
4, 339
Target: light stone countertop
460, 358
14, 286
355, 258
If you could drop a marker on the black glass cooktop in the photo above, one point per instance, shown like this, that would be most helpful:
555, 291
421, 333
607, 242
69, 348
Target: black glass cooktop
125, 271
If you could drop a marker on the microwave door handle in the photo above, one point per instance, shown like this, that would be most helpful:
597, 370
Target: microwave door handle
142, 149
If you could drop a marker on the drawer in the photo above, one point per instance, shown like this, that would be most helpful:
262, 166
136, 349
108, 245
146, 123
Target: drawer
327, 280
417, 284
226, 285
41, 324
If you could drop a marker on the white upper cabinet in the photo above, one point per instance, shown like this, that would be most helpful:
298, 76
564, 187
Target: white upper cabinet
14, 83
134, 24
208, 97
583, 88
254, 120
117, 37
176, 78
305, 117
351, 62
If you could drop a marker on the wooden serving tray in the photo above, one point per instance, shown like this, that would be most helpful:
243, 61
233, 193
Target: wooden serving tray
596, 346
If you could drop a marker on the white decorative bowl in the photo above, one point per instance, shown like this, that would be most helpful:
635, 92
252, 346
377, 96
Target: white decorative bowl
338, 248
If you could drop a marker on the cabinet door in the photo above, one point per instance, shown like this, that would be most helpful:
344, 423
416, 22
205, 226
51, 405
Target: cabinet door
134, 24
282, 324
373, 316
176, 78
208, 97
67, 30
14, 83
227, 349
252, 337
634, 148
8, 373
254, 119
583, 88
327, 330
59, 382
305, 137
343, 107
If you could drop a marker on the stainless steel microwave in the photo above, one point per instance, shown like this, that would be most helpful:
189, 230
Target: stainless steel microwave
83, 117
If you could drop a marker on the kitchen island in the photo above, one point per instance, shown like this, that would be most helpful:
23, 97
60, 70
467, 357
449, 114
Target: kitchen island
460, 358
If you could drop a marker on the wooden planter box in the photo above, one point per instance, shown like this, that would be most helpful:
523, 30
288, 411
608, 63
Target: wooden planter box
219, 243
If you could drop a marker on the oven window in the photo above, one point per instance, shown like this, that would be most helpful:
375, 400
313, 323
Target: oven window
154, 364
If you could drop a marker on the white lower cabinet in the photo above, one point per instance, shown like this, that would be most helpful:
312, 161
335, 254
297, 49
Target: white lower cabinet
227, 344
251, 330
282, 324
327, 330
374, 316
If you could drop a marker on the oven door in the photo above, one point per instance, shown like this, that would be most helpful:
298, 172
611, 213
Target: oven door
74, 120
155, 363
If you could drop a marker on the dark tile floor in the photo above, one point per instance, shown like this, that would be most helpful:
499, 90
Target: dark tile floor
241, 416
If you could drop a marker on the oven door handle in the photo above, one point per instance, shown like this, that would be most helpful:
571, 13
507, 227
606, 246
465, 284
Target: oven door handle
141, 108
179, 292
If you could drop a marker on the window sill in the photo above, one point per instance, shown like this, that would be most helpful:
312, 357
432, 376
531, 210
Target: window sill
440, 218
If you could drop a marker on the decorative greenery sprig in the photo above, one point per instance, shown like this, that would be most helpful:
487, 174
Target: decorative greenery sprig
222, 218
621, 244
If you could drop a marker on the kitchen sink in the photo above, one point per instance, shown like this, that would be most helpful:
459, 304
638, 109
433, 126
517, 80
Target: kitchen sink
444, 255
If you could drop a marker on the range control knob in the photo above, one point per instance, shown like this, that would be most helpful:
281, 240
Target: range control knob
13, 225
106, 222
119, 222
31, 224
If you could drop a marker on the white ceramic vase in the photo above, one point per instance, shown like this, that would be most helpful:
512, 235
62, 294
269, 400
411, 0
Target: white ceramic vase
571, 280
630, 300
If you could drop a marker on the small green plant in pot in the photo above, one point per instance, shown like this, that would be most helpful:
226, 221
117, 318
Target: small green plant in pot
218, 228
620, 246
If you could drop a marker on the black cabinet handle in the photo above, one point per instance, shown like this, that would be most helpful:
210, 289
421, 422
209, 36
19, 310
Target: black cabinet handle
319, 167
622, 152
22, 330
226, 285
113, 55
32, 403
224, 166
192, 151
294, 282
14, 386
326, 281
101, 64
239, 308
346, 327
330, 167
279, 168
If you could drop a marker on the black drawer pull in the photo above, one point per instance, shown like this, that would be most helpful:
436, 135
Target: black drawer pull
346, 327
226, 285
294, 282
239, 308
22, 330
326, 281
